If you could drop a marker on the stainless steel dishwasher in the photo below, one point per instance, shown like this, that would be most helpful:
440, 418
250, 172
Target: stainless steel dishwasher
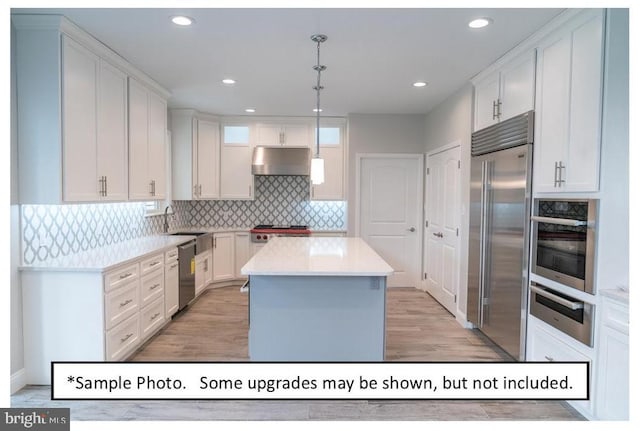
187, 273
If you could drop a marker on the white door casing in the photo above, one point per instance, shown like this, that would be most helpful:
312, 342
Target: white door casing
442, 230
388, 211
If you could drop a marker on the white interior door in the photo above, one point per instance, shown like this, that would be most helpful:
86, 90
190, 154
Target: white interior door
442, 248
389, 211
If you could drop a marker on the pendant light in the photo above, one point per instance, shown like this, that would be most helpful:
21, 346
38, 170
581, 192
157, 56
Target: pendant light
317, 164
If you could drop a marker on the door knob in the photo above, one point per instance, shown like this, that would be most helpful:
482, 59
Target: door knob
411, 229
438, 234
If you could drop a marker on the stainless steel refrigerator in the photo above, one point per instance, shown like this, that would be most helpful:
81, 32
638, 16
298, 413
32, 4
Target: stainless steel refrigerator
500, 209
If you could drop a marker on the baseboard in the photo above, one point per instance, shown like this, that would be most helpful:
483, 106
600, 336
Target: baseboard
462, 320
18, 380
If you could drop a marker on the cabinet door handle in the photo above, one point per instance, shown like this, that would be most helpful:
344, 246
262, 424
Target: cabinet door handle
173, 266
555, 176
125, 303
195, 190
129, 335
493, 112
157, 262
154, 316
215, 242
199, 189
100, 187
548, 358
560, 168
128, 274
249, 190
106, 185
155, 286
499, 108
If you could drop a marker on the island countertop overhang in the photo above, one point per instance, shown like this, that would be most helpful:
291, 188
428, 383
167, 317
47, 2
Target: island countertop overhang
317, 256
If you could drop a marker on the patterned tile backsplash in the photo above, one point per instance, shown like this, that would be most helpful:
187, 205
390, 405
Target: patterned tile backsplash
51, 231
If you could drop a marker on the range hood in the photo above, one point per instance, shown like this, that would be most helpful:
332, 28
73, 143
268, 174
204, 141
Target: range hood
281, 161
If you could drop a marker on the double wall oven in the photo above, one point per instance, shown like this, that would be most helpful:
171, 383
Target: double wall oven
563, 251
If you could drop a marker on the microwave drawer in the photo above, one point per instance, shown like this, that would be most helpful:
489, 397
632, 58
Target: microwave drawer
567, 314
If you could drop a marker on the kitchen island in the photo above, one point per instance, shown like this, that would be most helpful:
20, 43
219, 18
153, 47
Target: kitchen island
317, 299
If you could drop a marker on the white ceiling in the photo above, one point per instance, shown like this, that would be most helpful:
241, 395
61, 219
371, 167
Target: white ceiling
372, 55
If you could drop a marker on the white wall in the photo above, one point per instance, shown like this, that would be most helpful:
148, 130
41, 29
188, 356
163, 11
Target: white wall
17, 351
379, 133
613, 229
449, 122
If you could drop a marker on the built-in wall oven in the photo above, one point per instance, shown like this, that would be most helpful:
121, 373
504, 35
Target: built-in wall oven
564, 241
566, 313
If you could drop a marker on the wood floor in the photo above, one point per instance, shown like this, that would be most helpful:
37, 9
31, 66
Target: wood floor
215, 329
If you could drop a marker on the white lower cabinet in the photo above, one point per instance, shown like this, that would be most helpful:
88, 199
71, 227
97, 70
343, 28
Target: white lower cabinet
151, 318
242, 251
151, 287
80, 315
121, 303
612, 402
546, 344
204, 271
171, 283
223, 256
123, 339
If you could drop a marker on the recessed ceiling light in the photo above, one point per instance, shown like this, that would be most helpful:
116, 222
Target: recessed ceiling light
480, 22
228, 81
420, 84
316, 109
250, 110
182, 20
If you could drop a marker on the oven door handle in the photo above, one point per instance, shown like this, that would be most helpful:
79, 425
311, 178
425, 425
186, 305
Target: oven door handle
561, 221
555, 298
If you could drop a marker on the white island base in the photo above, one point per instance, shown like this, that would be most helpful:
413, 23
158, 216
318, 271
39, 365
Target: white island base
317, 299
316, 318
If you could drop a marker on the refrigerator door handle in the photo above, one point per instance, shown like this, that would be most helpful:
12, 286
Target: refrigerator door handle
483, 239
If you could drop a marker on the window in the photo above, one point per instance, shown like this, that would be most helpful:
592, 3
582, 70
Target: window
236, 135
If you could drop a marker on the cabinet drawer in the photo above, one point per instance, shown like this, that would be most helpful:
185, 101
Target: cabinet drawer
123, 338
615, 315
121, 303
171, 255
151, 318
546, 347
121, 276
151, 287
148, 265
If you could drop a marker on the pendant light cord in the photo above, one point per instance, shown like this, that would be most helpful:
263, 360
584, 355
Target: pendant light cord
318, 88
318, 38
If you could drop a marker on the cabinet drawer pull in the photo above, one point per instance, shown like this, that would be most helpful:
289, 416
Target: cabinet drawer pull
154, 263
127, 302
128, 274
154, 316
122, 340
173, 266
155, 286
548, 358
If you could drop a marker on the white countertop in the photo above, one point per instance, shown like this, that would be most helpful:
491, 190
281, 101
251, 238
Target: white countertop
312, 256
108, 257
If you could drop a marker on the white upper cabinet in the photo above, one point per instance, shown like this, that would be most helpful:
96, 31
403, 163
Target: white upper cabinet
290, 134
568, 106
112, 133
207, 147
73, 129
332, 151
236, 151
195, 153
506, 91
79, 116
147, 145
